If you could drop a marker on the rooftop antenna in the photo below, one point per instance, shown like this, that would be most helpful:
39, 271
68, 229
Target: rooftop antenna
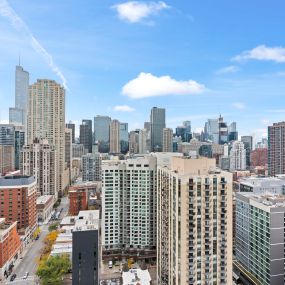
19, 59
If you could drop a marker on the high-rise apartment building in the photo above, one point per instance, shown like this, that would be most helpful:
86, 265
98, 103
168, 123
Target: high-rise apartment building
46, 120
91, 167
39, 160
194, 223
102, 132
167, 140
71, 126
134, 142
115, 136
276, 149
129, 204
68, 147
18, 196
260, 238
248, 145
78, 150
85, 136
17, 115
157, 124
124, 137
237, 156
143, 141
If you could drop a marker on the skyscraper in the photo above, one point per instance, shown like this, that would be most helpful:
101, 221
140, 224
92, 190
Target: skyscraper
46, 120
39, 160
7, 134
276, 149
233, 134
19, 143
167, 143
157, 123
134, 142
71, 126
194, 223
124, 137
143, 141
115, 136
102, 132
248, 145
68, 147
86, 134
237, 156
17, 115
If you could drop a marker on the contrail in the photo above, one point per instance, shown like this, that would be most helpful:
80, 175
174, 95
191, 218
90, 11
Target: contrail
8, 12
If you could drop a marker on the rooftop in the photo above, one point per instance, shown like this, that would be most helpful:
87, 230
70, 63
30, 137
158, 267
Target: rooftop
44, 199
136, 277
87, 220
16, 181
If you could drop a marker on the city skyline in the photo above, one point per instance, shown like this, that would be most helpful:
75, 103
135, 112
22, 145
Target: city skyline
233, 73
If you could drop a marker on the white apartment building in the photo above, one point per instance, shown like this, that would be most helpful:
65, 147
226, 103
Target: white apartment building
194, 223
237, 156
129, 204
39, 160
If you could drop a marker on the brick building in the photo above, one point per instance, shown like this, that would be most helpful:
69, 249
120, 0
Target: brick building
259, 157
78, 200
18, 196
10, 246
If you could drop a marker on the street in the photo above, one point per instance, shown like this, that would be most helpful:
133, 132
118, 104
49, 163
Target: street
29, 263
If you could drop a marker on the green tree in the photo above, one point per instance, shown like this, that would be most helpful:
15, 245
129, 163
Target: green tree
52, 269
53, 227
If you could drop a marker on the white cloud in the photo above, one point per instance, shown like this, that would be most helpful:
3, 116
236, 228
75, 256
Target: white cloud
265, 122
8, 12
228, 69
123, 108
4, 122
239, 105
263, 52
148, 85
135, 11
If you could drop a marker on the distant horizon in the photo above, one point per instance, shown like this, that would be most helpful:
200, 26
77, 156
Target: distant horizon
120, 60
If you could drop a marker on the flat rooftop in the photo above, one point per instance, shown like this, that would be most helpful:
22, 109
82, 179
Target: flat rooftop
44, 199
16, 181
87, 220
136, 276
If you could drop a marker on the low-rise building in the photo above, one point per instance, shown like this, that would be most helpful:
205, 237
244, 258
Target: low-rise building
10, 247
44, 207
78, 200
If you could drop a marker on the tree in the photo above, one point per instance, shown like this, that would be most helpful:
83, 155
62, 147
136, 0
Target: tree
53, 227
36, 232
52, 269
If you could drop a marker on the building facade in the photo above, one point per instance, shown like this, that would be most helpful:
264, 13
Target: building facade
102, 132
46, 120
24, 189
260, 237
115, 136
85, 136
276, 149
237, 156
7, 158
194, 223
39, 160
167, 140
129, 204
157, 124
91, 167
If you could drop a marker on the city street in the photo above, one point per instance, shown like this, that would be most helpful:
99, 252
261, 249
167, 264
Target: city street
29, 262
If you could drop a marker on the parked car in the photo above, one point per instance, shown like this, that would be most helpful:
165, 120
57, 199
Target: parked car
26, 275
13, 277
110, 264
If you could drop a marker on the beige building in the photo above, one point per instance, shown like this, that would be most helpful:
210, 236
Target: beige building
115, 136
194, 223
46, 120
167, 140
7, 158
39, 160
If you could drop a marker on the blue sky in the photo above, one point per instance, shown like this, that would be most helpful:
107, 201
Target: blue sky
119, 58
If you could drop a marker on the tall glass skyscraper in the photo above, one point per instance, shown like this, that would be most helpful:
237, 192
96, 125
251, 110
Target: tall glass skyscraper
17, 114
102, 134
157, 124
